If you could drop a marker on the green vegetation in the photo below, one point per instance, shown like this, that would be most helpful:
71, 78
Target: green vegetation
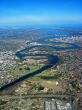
49, 74
60, 61
55, 77
0, 64
24, 69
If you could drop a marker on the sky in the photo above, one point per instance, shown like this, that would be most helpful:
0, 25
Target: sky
34, 12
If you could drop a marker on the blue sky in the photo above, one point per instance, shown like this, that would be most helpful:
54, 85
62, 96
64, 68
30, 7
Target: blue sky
29, 12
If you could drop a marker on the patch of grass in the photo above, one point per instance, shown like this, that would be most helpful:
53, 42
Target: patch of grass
17, 72
57, 76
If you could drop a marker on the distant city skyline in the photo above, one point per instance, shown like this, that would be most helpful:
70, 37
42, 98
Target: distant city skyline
40, 12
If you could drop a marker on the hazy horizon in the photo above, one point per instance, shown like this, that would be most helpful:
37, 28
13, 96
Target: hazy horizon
40, 12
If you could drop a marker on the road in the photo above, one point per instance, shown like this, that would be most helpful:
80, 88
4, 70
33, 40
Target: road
9, 97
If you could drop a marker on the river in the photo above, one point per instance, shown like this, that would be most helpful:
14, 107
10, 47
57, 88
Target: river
53, 60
